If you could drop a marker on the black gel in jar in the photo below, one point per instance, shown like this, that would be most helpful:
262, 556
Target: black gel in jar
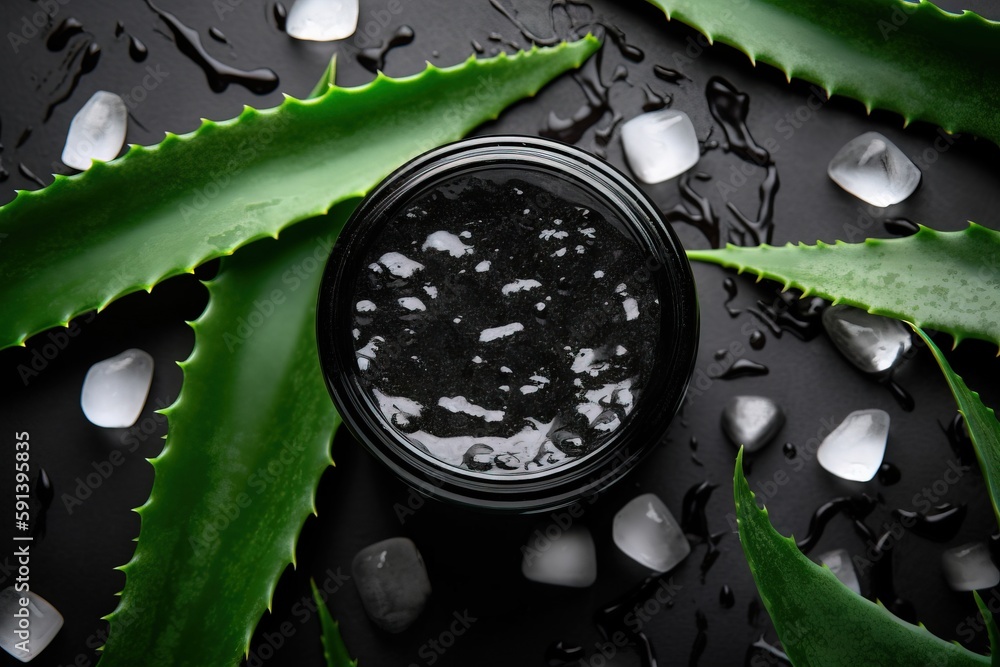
508, 323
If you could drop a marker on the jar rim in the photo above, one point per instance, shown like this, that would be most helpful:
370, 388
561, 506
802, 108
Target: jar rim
660, 400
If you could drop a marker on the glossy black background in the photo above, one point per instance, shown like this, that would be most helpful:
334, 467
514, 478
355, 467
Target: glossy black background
474, 560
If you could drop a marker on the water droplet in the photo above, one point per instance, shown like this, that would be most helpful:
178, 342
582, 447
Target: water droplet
66, 30
731, 292
726, 597
629, 51
373, 58
528, 34
219, 74
855, 507
90, 58
743, 368
136, 49
888, 474
217, 35
941, 526
900, 226
30, 175
44, 493
757, 340
563, 654
761, 230
669, 75
700, 640
730, 107
280, 14
902, 396
883, 587
788, 312
789, 450
24, 136
695, 210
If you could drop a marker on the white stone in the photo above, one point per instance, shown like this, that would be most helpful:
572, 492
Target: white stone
97, 131
647, 532
115, 389
874, 170
392, 582
854, 450
839, 562
660, 145
752, 421
969, 568
446, 242
322, 20
568, 559
45, 622
500, 332
873, 343
400, 265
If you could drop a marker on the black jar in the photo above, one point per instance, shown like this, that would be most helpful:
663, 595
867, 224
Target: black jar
508, 323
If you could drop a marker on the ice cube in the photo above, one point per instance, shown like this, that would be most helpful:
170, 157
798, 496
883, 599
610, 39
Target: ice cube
44, 620
752, 421
115, 389
568, 559
647, 532
392, 581
969, 568
873, 343
322, 20
874, 170
660, 145
97, 131
854, 450
839, 562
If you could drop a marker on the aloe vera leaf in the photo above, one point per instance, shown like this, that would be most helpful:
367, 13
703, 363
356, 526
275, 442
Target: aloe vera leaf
948, 281
981, 421
160, 211
248, 438
820, 621
909, 57
991, 629
334, 649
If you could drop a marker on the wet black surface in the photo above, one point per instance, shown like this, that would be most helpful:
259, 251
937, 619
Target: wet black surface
473, 560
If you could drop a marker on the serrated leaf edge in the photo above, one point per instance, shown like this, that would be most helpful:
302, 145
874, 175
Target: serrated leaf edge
588, 43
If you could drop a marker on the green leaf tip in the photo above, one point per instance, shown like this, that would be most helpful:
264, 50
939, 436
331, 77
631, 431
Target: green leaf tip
955, 290
866, 50
159, 211
991, 629
334, 649
819, 620
981, 422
